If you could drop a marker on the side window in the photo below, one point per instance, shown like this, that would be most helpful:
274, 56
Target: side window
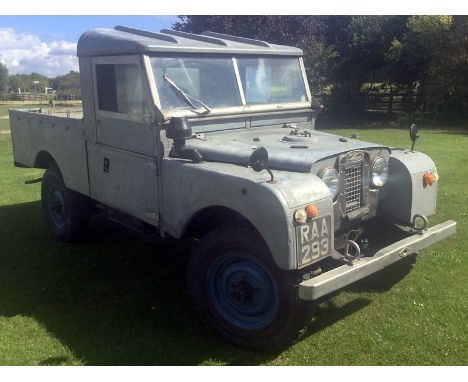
120, 89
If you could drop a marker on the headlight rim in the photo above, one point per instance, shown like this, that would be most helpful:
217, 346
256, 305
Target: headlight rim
321, 175
374, 184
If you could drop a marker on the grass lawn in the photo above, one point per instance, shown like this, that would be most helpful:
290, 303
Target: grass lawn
117, 299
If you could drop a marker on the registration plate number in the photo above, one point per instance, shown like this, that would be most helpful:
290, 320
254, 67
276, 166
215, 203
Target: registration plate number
314, 240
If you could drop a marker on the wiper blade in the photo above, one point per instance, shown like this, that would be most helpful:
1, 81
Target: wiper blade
186, 97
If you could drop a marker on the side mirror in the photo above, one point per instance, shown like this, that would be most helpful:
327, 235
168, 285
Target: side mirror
414, 134
179, 128
259, 161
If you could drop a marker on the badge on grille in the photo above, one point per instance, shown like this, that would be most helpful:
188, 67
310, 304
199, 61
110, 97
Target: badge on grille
354, 156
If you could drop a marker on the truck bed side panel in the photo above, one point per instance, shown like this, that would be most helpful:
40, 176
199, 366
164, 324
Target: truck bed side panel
62, 138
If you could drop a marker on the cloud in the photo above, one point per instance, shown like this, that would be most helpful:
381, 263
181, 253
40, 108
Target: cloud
25, 53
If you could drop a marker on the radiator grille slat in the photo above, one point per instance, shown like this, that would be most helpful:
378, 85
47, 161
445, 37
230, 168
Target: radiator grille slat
353, 188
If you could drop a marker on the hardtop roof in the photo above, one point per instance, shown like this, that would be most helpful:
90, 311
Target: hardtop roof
124, 40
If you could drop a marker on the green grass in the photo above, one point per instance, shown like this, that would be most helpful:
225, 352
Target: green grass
118, 299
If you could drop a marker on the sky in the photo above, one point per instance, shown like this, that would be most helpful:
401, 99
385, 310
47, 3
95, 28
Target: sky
47, 44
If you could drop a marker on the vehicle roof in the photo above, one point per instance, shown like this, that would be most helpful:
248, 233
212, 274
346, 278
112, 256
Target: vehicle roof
123, 40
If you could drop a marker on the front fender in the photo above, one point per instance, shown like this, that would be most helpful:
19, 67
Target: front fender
190, 187
405, 195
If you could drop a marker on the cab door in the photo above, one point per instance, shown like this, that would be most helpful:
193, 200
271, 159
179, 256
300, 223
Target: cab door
123, 165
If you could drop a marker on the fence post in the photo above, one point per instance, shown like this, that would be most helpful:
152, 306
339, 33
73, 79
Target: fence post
390, 100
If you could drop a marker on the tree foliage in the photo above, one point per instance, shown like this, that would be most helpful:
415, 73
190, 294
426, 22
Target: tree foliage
357, 57
25, 82
68, 85
3, 78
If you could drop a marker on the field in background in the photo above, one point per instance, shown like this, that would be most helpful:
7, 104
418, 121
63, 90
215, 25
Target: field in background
117, 299
62, 108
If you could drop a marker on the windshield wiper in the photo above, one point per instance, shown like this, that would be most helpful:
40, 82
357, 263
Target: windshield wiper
186, 97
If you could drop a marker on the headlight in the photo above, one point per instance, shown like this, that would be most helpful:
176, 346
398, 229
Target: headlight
379, 172
330, 178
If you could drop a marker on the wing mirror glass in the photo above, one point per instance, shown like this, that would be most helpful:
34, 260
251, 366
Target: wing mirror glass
259, 161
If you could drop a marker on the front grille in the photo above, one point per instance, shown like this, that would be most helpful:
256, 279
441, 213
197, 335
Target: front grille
353, 187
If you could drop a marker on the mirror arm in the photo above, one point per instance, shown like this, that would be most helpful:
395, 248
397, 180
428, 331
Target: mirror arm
271, 174
315, 104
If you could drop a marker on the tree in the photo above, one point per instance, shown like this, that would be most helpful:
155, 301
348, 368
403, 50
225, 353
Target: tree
357, 46
67, 85
446, 93
3, 78
25, 82
409, 59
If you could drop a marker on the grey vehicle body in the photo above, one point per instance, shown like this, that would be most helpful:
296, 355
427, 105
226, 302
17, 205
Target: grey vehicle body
123, 160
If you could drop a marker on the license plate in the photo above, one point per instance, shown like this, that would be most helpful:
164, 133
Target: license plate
314, 240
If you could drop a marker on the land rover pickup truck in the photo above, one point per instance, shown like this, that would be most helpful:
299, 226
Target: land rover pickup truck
212, 137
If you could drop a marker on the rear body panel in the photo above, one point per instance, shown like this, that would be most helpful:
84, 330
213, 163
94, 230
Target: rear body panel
62, 138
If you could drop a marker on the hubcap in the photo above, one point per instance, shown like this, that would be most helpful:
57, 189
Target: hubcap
57, 208
243, 292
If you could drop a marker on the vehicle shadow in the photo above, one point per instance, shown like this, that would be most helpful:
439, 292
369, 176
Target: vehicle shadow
384, 280
116, 299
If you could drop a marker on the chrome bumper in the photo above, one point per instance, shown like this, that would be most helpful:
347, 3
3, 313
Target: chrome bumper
337, 278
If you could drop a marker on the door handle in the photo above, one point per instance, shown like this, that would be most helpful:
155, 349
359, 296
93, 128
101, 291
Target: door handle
106, 166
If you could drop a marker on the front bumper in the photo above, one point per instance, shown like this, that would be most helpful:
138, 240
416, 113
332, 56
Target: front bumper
339, 277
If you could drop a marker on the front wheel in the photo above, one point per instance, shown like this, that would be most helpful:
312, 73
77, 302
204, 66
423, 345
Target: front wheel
238, 290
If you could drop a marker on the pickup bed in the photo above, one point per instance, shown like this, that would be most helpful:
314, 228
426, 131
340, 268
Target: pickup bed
38, 138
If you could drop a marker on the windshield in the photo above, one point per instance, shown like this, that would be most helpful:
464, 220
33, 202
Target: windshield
210, 82
271, 80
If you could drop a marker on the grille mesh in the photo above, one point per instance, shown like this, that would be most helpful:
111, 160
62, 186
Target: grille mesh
353, 187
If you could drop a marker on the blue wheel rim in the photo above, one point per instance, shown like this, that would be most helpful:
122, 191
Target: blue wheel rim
57, 208
243, 292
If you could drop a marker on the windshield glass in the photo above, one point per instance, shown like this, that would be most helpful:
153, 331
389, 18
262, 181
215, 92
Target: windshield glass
271, 80
212, 80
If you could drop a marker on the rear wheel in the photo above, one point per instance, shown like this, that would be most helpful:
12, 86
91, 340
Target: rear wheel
66, 212
238, 291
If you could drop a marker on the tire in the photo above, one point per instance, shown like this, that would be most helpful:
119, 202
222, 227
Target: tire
241, 294
66, 211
